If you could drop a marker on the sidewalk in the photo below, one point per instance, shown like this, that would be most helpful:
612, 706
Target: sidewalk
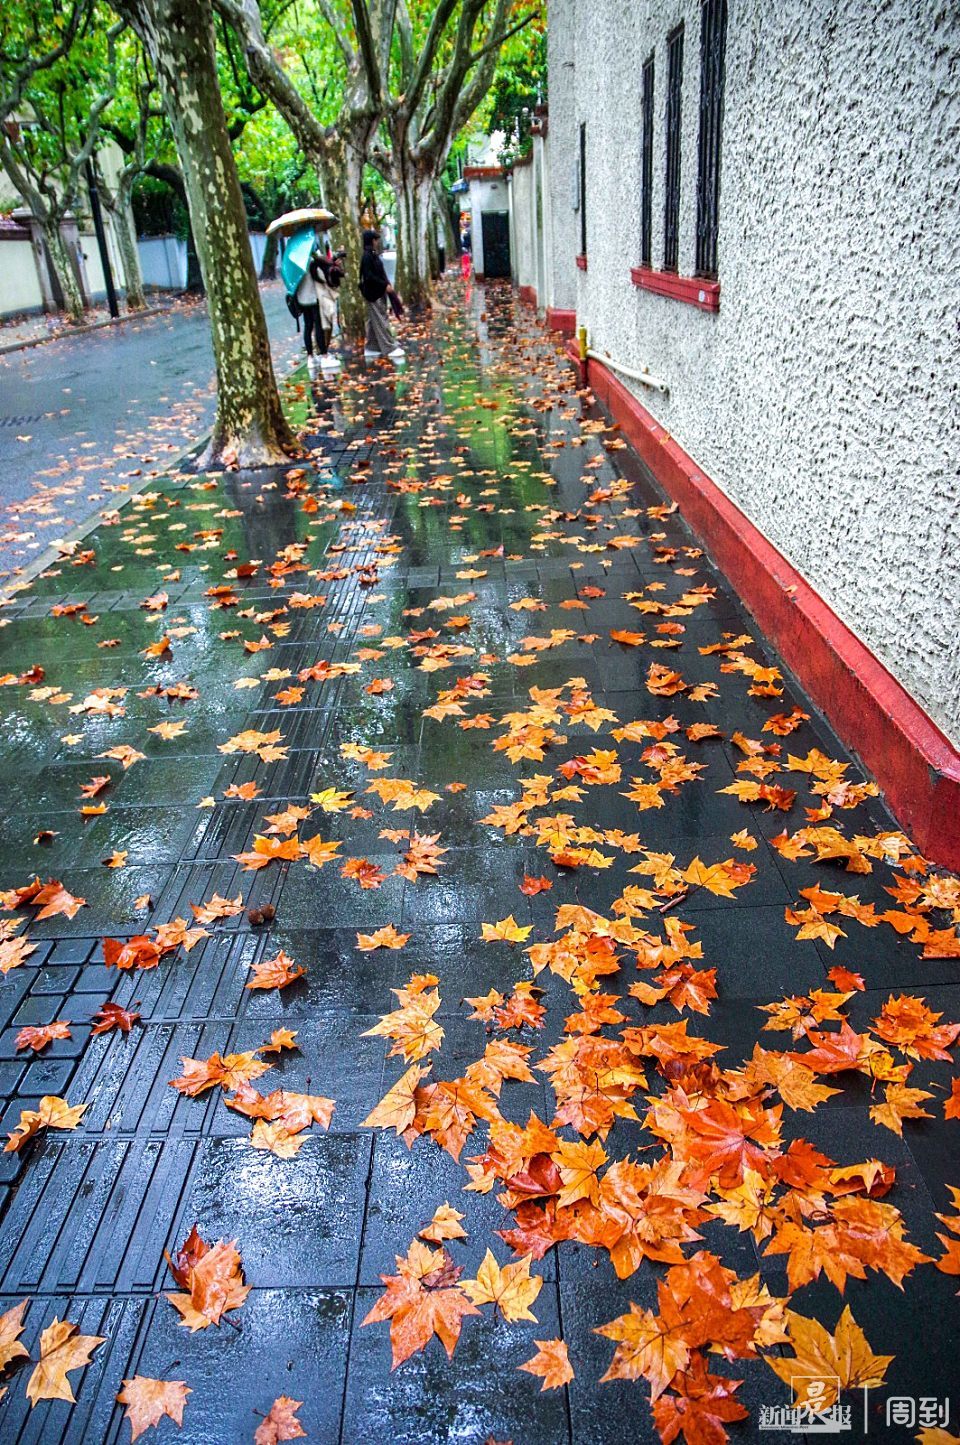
21, 332
460, 723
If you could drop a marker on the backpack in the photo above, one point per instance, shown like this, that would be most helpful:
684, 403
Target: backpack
294, 307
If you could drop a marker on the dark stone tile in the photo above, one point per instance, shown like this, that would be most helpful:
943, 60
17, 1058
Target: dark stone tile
430, 1398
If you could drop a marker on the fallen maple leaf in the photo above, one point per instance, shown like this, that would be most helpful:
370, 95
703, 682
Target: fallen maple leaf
532, 886
825, 1363
275, 972
229, 1072
140, 951
508, 929
11, 1328
113, 1016
512, 1289
53, 899
211, 1277
701, 1407
398, 1107
147, 1402
38, 1038
276, 1138
53, 1113
422, 1300
551, 1364
280, 1423
647, 1346
62, 1349
386, 937
444, 1225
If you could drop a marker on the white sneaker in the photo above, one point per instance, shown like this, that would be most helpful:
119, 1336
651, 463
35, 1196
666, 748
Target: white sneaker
398, 354
369, 355
313, 366
329, 364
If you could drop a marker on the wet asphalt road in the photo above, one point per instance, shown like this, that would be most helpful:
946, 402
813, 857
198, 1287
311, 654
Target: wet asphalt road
86, 410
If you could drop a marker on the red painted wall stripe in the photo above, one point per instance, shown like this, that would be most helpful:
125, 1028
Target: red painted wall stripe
916, 766
691, 289
563, 321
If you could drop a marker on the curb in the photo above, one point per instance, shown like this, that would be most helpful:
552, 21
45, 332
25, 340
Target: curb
33, 569
70, 332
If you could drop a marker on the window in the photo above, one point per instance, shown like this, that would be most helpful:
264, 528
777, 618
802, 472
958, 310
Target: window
713, 35
583, 188
671, 209
646, 167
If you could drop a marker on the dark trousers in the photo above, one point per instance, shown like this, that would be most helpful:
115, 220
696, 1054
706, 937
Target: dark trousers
313, 331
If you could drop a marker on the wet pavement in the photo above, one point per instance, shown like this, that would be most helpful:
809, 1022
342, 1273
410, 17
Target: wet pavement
72, 440
470, 624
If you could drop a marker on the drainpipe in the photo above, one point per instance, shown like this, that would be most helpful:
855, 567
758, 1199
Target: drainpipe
644, 377
101, 239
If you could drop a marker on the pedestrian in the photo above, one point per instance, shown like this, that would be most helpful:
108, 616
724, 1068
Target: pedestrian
375, 287
316, 297
466, 249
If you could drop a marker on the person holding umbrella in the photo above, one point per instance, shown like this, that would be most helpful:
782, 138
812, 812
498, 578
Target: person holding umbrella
317, 298
375, 287
311, 278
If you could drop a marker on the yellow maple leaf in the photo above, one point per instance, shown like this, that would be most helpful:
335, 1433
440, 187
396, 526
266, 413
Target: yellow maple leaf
508, 929
62, 1348
512, 1289
834, 1362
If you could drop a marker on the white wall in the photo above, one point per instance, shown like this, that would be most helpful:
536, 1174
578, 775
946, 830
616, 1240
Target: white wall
563, 235
523, 239
19, 283
163, 261
823, 397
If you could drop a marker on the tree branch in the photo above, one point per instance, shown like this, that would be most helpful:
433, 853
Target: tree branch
340, 35
270, 77
428, 54
368, 50
23, 73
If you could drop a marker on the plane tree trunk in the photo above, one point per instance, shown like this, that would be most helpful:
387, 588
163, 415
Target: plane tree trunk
414, 211
250, 429
62, 268
126, 235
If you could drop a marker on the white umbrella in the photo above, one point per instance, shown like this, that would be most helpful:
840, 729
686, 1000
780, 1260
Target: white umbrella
305, 216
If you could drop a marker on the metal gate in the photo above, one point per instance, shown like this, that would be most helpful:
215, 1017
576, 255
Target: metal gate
495, 230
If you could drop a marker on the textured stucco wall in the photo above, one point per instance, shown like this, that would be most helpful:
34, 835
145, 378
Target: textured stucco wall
823, 398
524, 238
561, 238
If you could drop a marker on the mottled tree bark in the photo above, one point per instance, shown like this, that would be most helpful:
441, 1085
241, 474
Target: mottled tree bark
125, 232
438, 99
414, 271
59, 261
337, 152
342, 180
120, 207
250, 429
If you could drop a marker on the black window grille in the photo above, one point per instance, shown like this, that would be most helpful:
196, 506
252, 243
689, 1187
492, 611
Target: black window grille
713, 36
671, 207
583, 188
646, 168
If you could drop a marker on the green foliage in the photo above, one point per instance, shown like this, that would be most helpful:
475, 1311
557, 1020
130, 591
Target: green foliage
58, 104
519, 85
